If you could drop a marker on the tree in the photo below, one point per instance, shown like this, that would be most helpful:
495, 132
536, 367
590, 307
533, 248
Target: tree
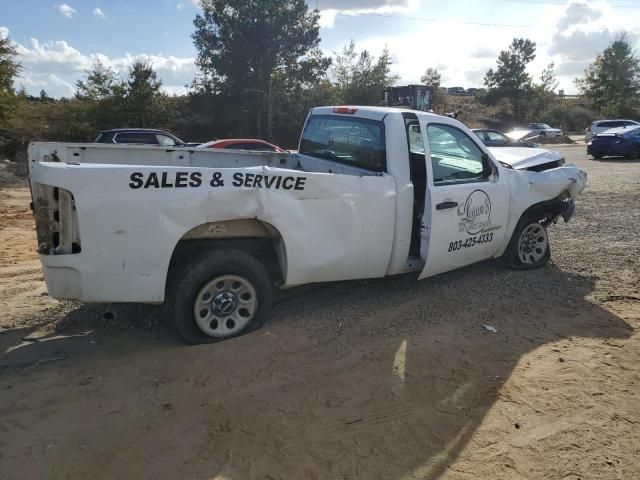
432, 78
245, 47
144, 101
44, 96
548, 80
9, 70
510, 78
102, 95
102, 82
543, 96
612, 81
360, 78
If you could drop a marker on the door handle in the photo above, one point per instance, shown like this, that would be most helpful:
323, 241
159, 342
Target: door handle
446, 205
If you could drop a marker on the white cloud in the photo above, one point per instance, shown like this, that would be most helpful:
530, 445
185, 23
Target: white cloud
584, 30
56, 66
484, 52
578, 13
361, 4
571, 35
99, 13
330, 9
475, 76
51, 83
67, 10
180, 6
4, 32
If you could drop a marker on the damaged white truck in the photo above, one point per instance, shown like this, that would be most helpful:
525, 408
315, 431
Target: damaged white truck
371, 192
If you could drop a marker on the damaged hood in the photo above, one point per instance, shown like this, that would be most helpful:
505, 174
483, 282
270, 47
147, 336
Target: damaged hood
522, 158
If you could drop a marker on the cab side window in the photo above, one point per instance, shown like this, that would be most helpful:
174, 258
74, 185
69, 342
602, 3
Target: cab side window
165, 141
455, 158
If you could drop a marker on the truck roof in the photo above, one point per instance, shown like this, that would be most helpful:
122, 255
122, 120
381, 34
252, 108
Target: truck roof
373, 113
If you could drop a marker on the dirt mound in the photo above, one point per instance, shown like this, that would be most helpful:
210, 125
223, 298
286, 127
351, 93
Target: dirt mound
554, 140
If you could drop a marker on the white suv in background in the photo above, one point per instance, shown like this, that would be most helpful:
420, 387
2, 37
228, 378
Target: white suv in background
602, 125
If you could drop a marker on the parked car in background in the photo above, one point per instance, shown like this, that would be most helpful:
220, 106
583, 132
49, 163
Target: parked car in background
533, 130
544, 130
600, 126
495, 138
253, 144
617, 142
141, 136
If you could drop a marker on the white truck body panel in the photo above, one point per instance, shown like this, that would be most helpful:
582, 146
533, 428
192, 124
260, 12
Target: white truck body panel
132, 205
327, 228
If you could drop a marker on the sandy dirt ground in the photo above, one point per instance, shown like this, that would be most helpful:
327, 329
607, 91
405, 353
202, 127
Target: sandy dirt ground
381, 379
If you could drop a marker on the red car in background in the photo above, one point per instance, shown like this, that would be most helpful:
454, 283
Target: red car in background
243, 144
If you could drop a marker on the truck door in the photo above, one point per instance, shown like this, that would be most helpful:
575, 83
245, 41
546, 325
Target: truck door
466, 204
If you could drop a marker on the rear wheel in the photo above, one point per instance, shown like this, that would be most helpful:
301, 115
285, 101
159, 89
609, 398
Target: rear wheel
529, 247
220, 295
596, 156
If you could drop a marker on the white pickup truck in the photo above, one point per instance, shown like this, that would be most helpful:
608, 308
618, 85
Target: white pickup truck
370, 192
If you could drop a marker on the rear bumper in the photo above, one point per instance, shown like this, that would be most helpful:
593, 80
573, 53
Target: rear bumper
78, 277
607, 150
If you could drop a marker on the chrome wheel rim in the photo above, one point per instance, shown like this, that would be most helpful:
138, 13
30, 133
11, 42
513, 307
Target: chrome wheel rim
533, 244
225, 305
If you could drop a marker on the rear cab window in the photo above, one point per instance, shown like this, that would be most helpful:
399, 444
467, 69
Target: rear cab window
352, 141
105, 137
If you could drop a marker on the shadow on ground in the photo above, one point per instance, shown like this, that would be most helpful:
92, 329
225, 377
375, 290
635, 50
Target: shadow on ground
384, 379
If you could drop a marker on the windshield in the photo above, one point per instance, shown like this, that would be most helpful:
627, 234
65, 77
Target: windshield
356, 142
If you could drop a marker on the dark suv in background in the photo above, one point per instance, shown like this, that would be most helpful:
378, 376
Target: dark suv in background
141, 136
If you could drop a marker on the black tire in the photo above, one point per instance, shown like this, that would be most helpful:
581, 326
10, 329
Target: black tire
596, 157
535, 259
189, 282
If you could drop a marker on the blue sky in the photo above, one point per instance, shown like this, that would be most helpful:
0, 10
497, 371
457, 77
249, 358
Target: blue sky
58, 41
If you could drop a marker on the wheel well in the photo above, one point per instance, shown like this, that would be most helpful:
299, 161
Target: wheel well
548, 210
252, 236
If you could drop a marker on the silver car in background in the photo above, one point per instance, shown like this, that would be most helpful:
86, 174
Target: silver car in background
534, 130
601, 126
544, 130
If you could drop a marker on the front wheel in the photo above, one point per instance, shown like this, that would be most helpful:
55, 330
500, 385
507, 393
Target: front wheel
529, 247
634, 153
219, 295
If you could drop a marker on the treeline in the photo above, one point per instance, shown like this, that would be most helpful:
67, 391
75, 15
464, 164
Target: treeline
610, 87
259, 72
260, 69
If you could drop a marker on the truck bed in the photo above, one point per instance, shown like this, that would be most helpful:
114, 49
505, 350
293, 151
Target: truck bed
152, 155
